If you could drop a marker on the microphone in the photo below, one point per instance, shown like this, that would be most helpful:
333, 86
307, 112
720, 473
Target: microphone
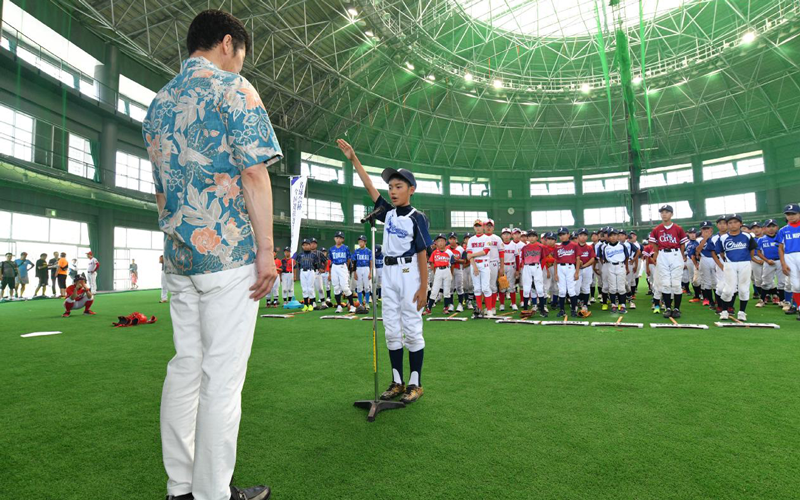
373, 214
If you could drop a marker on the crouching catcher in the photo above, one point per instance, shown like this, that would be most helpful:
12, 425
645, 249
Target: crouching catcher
79, 296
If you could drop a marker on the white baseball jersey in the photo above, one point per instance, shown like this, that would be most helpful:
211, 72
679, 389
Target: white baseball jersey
93, 265
456, 252
495, 245
511, 253
476, 244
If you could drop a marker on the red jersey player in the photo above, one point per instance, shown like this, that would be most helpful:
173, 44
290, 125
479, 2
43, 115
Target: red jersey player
669, 243
567, 272
79, 296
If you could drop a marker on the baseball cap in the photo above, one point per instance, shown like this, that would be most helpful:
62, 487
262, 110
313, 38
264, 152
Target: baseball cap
452, 235
666, 208
440, 235
313, 240
563, 230
532, 232
706, 224
477, 222
306, 240
770, 222
755, 224
595, 232
550, 235
362, 237
80, 277
338, 234
89, 253
583, 230
621, 231
378, 248
573, 234
516, 230
734, 216
388, 173
505, 230
722, 217
323, 249
611, 230
631, 232
287, 249
467, 235
692, 230
488, 222
792, 208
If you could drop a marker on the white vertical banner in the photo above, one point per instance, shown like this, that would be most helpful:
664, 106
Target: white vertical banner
298, 200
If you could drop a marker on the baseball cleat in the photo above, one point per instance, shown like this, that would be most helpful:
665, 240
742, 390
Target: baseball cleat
460, 308
543, 313
338, 309
65, 315
470, 306
252, 493
633, 305
604, 307
490, 313
723, 315
776, 300
573, 313
514, 307
614, 308
676, 313
657, 310
667, 313
706, 303
741, 316
695, 300
561, 314
622, 310
476, 314
760, 304
502, 307
792, 310
413, 393
352, 309
187, 496
426, 312
393, 391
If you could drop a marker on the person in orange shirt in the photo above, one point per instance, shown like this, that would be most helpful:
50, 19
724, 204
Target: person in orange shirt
62, 268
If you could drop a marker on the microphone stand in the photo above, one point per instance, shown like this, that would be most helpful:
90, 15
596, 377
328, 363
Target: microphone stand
376, 405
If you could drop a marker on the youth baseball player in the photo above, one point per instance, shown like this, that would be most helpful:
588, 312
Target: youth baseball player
722, 229
531, 261
91, 271
669, 244
708, 268
587, 258
378, 270
756, 231
635, 249
287, 277
567, 271
466, 273
441, 261
308, 263
510, 258
405, 243
550, 283
496, 254
363, 276
789, 253
617, 256
771, 270
340, 276
457, 252
738, 249
272, 297
79, 296
477, 254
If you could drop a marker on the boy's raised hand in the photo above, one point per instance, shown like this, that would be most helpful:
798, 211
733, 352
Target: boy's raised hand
346, 148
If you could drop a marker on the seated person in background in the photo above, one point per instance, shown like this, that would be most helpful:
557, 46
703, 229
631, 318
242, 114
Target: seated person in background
79, 296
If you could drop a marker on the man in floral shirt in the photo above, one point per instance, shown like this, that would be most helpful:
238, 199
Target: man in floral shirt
210, 140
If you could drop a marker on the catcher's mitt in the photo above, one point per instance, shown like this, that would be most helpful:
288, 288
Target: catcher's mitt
525, 314
503, 282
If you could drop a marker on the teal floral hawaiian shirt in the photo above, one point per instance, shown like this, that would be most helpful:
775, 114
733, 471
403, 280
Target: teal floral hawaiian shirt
202, 129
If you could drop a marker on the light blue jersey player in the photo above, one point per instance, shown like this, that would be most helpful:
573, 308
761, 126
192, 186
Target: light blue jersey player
363, 257
378, 270
339, 255
789, 251
405, 276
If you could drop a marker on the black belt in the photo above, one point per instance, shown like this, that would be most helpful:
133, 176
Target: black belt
616, 263
534, 264
668, 250
566, 264
391, 261
306, 269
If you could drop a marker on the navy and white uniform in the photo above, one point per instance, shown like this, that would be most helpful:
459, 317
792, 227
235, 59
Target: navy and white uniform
603, 278
405, 233
768, 248
708, 268
340, 277
616, 255
363, 258
378, 268
308, 262
789, 237
719, 274
633, 264
738, 251
689, 274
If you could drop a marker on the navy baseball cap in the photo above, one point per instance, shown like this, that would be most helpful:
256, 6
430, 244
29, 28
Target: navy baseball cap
378, 249
722, 218
287, 249
323, 249
792, 208
632, 232
362, 237
313, 240
666, 208
467, 235
583, 230
550, 235
692, 230
440, 235
706, 224
388, 173
734, 217
595, 232
532, 232
755, 224
770, 222
622, 231
452, 235
611, 230
338, 234
563, 230
306, 241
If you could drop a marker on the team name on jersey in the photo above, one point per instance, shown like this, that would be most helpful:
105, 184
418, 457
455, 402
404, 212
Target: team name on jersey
729, 245
440, 259
565, 252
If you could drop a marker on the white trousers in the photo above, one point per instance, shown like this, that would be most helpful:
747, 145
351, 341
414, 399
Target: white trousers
213, 319
340, 280
379, 277
720, 277
769, 275
164, 290
480, 282
276, 290
307, 283
617, 278
670, 270
442, 280
78, 304
708, 273
402, 321
655, 282
758, 273
494, 270
737, 279
793, 261
287, 282
92, 278
532, 280
566, 280
466, 279
548, 281
585, 280
633, 275
458, 281
511, 274
321, 284
605, 278
363, 283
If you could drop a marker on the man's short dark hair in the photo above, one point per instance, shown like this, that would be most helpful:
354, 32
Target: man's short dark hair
209, 27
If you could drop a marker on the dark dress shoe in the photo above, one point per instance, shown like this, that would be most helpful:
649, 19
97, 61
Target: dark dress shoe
187, 496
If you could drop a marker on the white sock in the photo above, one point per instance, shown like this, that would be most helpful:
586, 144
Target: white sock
413, 379
396, 377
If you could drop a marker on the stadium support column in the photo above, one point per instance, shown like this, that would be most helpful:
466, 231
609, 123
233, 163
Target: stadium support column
578, 203
105, 249
772, 203
108, 75
698, 200
347, 194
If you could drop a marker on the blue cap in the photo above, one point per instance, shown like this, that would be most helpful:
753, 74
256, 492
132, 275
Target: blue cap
792, 208
734, 217
722, 218
287, 249
402, 172
452, 235
583, 230
666, 208
692, 230
754, 224
323, 249
549, 234
378, 249
313, 240
563, 230
706, 224
338, 234
467, 235
440, 235
770, 222
532, 232
306, 241
362, 238
611, 230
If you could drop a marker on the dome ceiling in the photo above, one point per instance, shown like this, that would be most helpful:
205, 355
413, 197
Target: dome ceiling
497, 85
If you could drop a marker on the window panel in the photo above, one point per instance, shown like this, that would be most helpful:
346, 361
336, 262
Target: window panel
682, 210
5, 225
732, 166
468, 186
324, 210
552, 186
750, 166
609, 215
461, 218
736, 203
552, 218
601, 183
80, 160
63, 231
30, 227
16, 134
134, 173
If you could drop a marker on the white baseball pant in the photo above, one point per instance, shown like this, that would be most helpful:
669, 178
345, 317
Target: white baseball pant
708, 273
307, 283
585, 280
402, 321
287, 281
340, 280
442, 280
605, 278
494, 269
379, 277
511, 275
757, 273
669, 267
617, 278
480, 281
769, 275
363, 283
164, 291
793, 261
655, 282
532, 276
737, 279
276, 290
566, 280
213, 320
92, 279
78, 304
458, 281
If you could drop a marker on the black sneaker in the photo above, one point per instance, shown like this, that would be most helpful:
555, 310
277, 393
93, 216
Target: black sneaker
252, 493
561, 314
476, 314
792, 310
543, 312
676, 313
573, 314
187, 496
667, 313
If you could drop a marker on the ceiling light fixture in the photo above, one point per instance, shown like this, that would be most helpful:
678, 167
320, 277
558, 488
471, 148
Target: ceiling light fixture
748, 38
468, 77
353, 12
431, 77
369, 33
585, 88
498, 84
409, 66
637, 80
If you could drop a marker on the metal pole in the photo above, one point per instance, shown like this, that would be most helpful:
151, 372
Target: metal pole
374, 310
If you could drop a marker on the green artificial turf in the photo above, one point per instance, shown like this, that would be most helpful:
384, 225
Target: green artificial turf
510, 411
